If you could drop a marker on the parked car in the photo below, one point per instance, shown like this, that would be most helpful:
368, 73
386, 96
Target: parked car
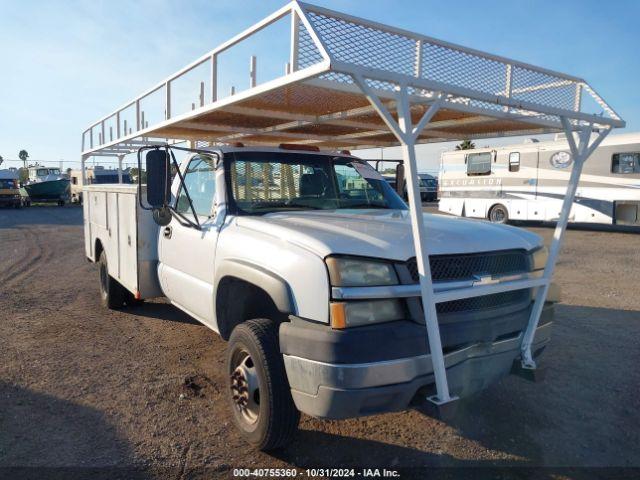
428, 187
10, 189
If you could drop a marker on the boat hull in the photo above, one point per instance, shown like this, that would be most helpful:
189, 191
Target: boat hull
49, 191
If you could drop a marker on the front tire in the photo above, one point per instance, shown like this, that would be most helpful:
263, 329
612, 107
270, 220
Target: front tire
112, 294
499, 214
259, 393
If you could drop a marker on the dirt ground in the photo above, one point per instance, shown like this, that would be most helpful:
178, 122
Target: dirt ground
81, 386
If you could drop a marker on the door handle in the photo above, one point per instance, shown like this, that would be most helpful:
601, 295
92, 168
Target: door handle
167, 232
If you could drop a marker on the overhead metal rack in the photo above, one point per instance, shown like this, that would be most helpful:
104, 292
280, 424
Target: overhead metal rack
351, 83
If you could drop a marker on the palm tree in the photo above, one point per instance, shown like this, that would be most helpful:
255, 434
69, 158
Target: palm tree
1, 159
466, 145
23, 155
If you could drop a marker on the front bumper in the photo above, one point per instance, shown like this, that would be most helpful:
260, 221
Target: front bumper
342, 390
9, 200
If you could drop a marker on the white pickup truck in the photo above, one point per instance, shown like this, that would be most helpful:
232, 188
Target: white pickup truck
304, 261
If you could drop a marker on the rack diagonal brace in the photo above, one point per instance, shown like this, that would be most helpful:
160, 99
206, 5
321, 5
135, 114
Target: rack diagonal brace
580, 153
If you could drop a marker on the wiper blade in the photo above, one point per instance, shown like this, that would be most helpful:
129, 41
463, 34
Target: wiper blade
366, 205
300, 205
283, 205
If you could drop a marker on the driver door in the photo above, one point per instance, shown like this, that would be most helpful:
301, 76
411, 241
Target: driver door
187, 254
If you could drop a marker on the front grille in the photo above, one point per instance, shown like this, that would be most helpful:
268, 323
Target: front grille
445, 268
485, 302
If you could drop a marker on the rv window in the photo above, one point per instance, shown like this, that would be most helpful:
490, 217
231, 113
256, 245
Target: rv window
628, 162
479, 163
514, 161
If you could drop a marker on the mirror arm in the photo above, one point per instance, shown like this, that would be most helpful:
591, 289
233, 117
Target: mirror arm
184, 221
186, 190
140, 150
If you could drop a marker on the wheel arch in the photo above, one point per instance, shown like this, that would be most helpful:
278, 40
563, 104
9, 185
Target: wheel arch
244, 291
98, 248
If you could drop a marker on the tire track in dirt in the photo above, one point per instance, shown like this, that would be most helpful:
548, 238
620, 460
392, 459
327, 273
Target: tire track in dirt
38, 252
24, 263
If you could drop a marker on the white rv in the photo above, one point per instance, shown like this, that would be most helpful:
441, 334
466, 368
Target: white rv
528, 182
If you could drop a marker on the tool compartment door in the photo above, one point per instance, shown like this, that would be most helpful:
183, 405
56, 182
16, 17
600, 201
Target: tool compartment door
127, 241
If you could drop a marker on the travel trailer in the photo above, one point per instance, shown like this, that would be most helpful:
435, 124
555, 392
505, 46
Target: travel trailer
528, 182
94, 175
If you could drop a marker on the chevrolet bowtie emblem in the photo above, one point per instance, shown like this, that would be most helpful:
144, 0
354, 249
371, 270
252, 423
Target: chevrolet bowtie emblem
484, 280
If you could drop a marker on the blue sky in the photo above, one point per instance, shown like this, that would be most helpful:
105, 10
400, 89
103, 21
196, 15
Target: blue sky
68, 63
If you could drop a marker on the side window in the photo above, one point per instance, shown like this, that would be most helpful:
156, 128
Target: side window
200, 180
514, 162
352, 185
628, 162
479, 163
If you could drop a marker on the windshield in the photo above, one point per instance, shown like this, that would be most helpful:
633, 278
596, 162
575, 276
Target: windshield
263, 182
8, 183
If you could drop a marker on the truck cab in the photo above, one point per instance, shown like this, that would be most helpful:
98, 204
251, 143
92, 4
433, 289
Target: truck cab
10, 189
304, 262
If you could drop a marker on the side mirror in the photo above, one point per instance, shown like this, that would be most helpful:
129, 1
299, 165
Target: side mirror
157, 164
162, 216
400, 183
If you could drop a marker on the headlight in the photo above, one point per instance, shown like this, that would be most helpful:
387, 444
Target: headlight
357, 314
352, 272
539, 258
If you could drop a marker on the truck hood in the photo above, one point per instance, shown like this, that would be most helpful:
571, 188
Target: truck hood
385, 233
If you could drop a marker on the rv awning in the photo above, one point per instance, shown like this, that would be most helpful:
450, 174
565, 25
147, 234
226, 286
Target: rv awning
319, 99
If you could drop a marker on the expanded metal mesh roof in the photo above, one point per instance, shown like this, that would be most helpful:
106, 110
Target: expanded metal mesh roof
319, 100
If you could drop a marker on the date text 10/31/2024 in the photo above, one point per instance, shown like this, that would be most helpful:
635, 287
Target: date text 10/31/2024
316, 472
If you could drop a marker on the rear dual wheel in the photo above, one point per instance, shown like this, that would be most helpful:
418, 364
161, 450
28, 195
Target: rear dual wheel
112, 294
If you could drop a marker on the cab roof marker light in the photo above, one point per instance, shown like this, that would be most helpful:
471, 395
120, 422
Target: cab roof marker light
293, 146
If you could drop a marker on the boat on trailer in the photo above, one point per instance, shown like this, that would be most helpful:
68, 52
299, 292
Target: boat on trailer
46, 184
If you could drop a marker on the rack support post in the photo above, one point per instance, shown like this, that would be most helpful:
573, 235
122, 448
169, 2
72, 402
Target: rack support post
120, 157
83, 170
580, 153
420, 242
407, 134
